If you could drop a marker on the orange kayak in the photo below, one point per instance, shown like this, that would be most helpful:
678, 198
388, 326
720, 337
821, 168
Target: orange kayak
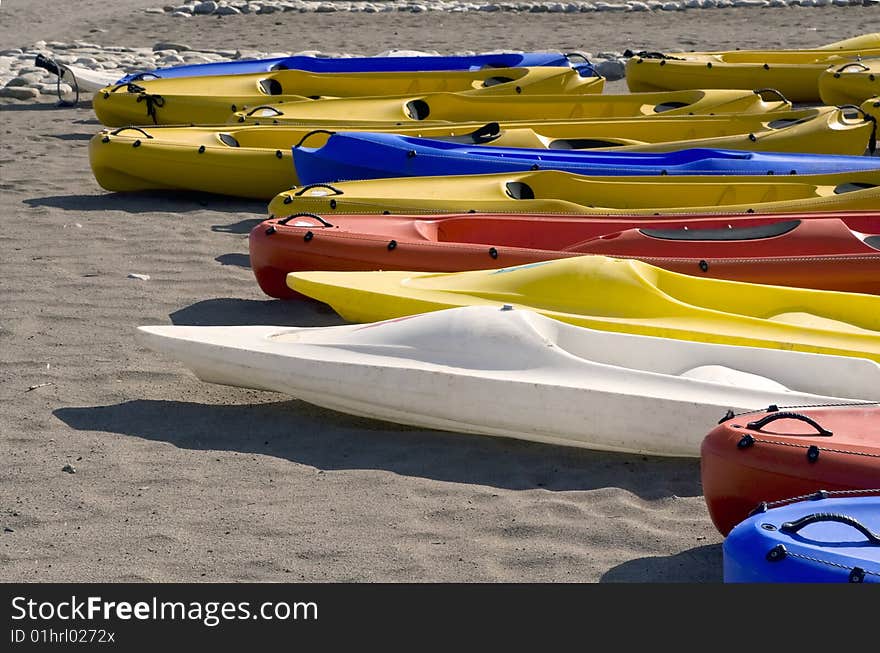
825, 251
759, 458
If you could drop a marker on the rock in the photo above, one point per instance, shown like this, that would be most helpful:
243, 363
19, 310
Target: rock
167, 45
181, 14
154, 10
612, 69
6, 529
11, 52
226, 11
205, 8
267, 9
69, 469
25, 80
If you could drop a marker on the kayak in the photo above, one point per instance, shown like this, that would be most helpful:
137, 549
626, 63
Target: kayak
211, 99
375, 64
460, 107
827, 538
510, 373
624, 295
256, 160
349, 156
824, 251
761, 457
850, 83
554, 191
793, 72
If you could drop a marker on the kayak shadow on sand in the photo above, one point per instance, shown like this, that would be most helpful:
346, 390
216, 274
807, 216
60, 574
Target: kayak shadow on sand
238, 260
154, 201
241, 227
698, 565
231, 311
327, 440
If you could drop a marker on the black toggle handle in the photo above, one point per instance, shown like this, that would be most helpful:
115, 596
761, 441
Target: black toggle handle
772, 91
815, 518
287, 219
137, 129
302, 190
850, 65
312, 133
265, 106
758, 424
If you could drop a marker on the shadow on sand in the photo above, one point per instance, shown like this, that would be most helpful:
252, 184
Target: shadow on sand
699, 565
157, 201
328, 440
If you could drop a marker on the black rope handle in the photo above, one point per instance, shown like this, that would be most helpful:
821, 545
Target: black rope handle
265, 106
42, 61
143, 76
772, 417
137, 129
302, 190
773, 91
645, 54
794, 526
287, 219
312, 133
848, 65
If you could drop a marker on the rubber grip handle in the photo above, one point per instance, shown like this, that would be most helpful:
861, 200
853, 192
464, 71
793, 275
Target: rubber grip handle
760, 91
137, 129
265, 106
757, 425
312, 133
302, 190
287, 219
850, 65
815, 518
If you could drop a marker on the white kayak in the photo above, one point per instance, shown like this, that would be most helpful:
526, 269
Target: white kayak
518, 374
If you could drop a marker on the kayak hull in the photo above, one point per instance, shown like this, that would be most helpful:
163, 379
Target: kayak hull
504, 373
742, 467
808, 251
813, 540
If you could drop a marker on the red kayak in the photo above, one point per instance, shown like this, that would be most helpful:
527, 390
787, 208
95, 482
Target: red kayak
826, 251
768, 456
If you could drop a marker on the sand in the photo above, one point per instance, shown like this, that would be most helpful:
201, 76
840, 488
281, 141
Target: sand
180, 480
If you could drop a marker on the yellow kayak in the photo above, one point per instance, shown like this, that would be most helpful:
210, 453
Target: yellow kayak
793, 72
255, 160
622, 295
211, 99
553, 191
871, 107
458, 107
850, 83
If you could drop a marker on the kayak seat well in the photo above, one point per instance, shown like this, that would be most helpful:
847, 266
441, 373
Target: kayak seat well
757, 232
271, 86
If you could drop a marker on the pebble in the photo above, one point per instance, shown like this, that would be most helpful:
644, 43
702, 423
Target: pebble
69, 469
20, 92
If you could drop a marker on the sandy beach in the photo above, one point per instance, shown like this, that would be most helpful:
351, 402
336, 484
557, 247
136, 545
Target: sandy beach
177, 480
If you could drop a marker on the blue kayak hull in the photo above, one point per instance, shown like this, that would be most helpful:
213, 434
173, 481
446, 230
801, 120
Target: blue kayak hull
368, 155
366, 64
809, 541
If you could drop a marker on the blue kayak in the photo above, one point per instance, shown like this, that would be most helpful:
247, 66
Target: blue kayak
832, 537
370, 64
369, 155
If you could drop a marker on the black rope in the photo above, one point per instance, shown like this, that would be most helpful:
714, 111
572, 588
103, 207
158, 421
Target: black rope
645, 54
152, 100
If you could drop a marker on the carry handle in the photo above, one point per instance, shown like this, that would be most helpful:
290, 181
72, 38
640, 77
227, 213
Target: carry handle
795, 526
772, 91
850, 65
312, 133
137, 129
264, 106
287, 219
302, 190
867, 117
772, 417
